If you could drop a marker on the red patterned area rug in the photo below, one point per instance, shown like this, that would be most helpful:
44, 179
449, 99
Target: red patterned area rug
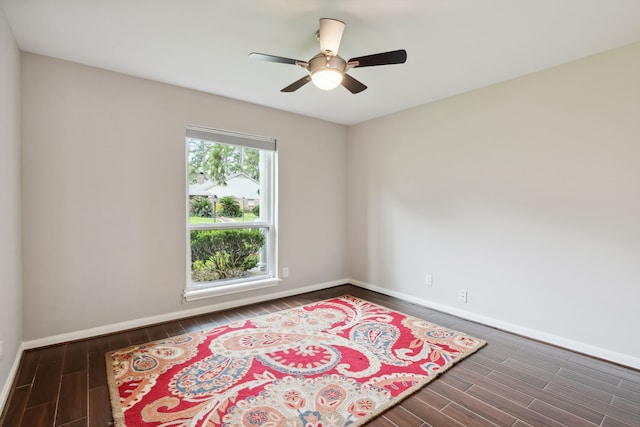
338, 362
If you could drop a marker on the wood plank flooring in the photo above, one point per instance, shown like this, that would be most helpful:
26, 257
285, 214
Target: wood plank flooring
513, 381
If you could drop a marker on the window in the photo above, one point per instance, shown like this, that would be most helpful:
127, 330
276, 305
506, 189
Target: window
230, 220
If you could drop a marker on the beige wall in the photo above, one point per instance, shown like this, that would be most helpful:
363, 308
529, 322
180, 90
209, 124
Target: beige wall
10, 261
104, 194
526, 194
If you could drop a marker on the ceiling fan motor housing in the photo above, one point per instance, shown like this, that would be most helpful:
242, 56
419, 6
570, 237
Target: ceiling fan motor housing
327, 71
322, 61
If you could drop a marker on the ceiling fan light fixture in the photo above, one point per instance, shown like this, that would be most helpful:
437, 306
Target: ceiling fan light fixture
327, 78
326, 71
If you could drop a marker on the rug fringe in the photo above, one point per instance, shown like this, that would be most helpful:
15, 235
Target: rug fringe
114, 396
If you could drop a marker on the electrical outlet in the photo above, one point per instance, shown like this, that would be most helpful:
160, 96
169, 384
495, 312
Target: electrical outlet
428, 280
462, 296
285, 272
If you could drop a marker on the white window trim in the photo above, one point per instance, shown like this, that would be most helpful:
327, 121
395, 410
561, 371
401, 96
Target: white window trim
197, 291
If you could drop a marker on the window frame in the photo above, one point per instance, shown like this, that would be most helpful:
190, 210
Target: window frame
268, 153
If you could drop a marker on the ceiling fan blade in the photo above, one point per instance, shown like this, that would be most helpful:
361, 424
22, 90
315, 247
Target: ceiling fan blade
330, 35
297, 84
385, 58
272, 58
352, 85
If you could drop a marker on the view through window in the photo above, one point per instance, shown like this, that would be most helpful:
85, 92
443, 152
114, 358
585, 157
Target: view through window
230, 219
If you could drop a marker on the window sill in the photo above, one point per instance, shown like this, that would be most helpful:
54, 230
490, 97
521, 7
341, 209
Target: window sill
198, 294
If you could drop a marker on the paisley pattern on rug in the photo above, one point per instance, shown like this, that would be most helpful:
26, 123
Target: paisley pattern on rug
338, 362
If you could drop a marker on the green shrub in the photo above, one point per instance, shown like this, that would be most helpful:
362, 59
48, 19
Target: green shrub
230, 207
256, 211
201, 206
223, 254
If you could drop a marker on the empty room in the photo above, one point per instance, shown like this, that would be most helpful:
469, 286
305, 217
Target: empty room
319, 213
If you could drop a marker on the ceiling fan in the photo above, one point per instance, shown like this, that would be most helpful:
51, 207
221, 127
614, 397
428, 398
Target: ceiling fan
327, 70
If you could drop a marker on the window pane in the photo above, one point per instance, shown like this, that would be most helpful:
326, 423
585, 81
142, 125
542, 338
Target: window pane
233, 253
224, 183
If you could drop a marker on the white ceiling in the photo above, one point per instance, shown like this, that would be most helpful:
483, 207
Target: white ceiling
453, 46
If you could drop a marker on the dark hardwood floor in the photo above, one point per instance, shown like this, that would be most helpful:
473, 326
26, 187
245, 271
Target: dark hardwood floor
513, 381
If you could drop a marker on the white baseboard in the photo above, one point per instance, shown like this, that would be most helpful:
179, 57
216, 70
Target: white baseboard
580, 347
6, 389
167, 317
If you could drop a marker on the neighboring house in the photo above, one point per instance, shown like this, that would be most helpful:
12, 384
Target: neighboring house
241, 186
